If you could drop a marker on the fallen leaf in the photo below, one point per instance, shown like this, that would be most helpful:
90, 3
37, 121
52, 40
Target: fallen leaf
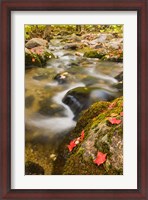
101, 158
121, 114
114, 121
77, 140
82, 135
72, 145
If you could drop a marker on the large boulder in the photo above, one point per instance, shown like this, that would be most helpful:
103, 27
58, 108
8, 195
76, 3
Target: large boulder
35, 42
101, 38
37, 56
102, 124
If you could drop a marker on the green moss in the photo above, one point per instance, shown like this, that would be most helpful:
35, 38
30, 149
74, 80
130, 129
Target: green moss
88, 115
92, 121
93, 54
36, 59
32, 59
45, 57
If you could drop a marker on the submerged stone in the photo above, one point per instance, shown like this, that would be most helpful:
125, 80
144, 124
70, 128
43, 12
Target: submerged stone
37, 56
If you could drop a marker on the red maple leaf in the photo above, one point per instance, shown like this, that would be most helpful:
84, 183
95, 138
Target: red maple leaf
72, 145
114, 121
82, 136
101, 158
76, 141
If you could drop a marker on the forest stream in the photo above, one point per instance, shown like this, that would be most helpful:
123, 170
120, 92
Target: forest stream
55, 96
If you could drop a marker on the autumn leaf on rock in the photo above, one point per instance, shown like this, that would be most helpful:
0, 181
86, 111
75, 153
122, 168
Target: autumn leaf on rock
114, 121
101, 158
72, 145
82, 136
76, 141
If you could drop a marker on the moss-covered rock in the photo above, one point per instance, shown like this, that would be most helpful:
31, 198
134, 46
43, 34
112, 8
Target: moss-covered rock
31, 59
100, 136
93, 54
37, 56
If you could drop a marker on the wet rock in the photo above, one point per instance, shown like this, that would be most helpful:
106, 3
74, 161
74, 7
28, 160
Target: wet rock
63, 77
71, 46
35, 42
32, 168
119, 85
29, 101
93, 54
119, 77
31, 60
81, 98
102, 38
37, 56
77, 99
115, 43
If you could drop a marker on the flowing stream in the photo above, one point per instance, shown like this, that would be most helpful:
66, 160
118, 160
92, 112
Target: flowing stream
47, 118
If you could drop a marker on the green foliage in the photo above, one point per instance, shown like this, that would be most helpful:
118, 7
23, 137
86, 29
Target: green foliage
38, 30
32, 30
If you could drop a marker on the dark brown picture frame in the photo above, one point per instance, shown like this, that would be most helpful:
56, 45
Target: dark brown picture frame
141, 6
